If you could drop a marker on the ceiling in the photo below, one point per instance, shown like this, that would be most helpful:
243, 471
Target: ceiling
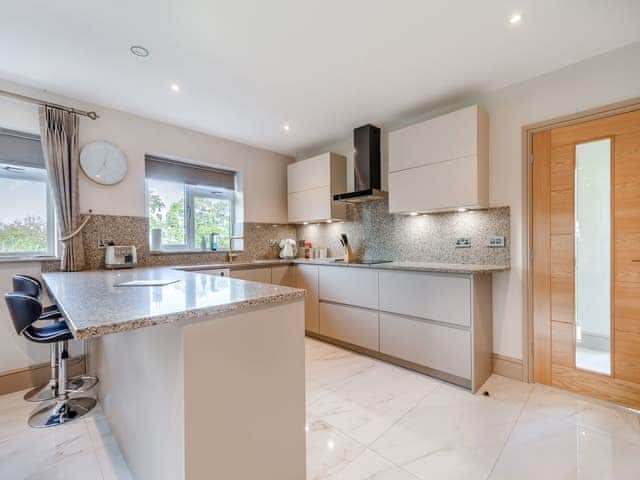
245, 68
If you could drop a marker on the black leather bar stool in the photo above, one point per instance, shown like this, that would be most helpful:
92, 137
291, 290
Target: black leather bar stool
25, 311
32, 287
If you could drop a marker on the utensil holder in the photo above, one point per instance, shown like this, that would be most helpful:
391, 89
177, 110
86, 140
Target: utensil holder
348, 254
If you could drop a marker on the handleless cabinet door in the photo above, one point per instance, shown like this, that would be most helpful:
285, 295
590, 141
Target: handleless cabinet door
349, 285
447, 349
307, 278
284, 275
310, 205
310, 173
253, 274
350, 324
441, 297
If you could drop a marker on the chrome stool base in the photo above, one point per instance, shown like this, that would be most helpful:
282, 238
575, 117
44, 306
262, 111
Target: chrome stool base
79, 384
60, 412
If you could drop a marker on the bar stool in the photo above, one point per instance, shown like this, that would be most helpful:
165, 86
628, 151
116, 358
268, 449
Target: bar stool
32, 287
25, 311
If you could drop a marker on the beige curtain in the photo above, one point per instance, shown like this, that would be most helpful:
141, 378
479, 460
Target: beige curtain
59, 136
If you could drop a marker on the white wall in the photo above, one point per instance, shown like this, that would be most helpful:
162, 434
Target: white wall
598, 81
264, 173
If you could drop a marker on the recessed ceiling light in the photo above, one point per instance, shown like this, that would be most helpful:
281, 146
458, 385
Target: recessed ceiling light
286, 127
175, 87
462, 209
515, 18
329, 221
305, 223
413, 214
139, 51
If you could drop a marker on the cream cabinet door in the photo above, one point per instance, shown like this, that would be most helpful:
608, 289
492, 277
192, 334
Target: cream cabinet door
310, 205
350, 324
310, 173
284, 275
433, 296
307, 278
350, 286
446, 349
254, 274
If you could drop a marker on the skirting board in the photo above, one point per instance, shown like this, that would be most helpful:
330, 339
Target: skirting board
29, 377
507, 367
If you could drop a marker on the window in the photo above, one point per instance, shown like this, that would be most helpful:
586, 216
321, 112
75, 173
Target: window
27, 220
189, 202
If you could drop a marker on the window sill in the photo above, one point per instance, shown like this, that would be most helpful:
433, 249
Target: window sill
43, 258
190, 252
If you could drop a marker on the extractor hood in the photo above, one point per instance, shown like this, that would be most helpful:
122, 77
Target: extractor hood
366, 167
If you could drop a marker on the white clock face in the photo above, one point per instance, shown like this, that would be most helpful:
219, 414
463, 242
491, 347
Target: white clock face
103, 163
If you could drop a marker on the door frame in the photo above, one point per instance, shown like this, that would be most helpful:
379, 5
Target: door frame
527, 208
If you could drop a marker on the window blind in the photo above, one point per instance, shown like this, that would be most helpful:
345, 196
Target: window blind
20, 149
173, 171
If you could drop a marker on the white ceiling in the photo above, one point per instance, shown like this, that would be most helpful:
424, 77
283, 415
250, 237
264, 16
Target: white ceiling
247, 67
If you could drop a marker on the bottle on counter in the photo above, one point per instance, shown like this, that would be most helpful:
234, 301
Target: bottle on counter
307, 249
203, 243
213, 241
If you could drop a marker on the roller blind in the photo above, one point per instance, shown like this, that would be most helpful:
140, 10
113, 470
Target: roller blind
170, 170
20, 149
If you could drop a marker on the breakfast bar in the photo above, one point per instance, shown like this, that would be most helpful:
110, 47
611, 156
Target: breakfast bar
198, 373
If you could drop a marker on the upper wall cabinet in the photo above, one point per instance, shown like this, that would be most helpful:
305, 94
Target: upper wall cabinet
441, 164
311, 185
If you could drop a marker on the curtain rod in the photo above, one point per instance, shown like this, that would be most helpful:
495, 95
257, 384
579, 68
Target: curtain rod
92, 115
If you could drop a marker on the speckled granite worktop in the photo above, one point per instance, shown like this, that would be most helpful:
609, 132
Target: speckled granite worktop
406, 266
94, 306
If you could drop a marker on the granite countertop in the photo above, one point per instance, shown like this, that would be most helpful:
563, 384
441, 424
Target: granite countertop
94, 306
406, 266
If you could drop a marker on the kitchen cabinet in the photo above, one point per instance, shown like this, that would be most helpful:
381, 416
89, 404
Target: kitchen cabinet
349, 285
253, 274
436, 323
311, 184
441, 164
284, 275
441, 297
435, 346
307, 278
357, 326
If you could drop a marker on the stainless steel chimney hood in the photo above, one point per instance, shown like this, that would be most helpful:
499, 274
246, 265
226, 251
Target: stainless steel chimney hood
366, 167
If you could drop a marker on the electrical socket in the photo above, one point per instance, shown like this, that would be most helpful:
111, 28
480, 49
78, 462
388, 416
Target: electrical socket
463, 242
102, 243
496, 241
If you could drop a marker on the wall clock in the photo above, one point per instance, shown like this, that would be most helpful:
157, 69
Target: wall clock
103, 162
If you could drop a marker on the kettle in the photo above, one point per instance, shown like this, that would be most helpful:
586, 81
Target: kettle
288, 248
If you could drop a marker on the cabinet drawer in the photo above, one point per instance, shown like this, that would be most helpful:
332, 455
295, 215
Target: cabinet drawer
307, 278
349, 285
350, 324
254, 274
442, 297
284, 275
310, 205
440, 186
442, 348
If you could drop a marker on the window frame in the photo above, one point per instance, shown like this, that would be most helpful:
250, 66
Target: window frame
192, 191
10, 171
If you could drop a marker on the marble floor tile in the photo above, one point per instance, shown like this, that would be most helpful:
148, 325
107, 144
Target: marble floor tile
371, 466
452, 434
542, 447
328, 450
372, 401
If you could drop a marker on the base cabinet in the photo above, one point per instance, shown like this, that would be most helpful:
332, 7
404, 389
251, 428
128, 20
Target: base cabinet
435, 346
307, 278
357, 326
284, 275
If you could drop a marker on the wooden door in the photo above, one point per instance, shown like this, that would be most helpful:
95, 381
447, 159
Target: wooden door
557, 322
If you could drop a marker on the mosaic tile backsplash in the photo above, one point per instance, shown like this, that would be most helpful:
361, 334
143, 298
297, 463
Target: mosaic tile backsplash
375, 234
125, 230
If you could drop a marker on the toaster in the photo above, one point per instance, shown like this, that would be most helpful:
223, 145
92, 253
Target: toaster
120, 256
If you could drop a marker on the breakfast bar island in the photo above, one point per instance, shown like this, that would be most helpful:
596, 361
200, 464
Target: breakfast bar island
201, 377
